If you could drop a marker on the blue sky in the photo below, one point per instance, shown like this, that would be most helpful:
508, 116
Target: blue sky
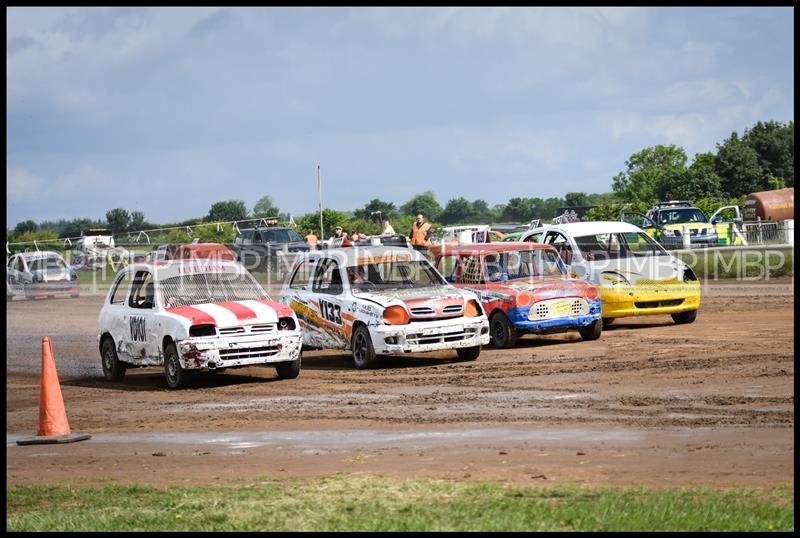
169, 110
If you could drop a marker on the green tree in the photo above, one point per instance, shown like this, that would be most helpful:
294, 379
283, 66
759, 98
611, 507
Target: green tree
266, 207
424, 203
228, 210
457, 210
75, 227
138, 221
737, 165
644, 170
330, 220
25, 226
572, 199
520, 209
118, 219
773, 142
700, 180
369, 211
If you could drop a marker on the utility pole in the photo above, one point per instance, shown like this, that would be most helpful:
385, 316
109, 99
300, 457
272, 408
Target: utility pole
319, 184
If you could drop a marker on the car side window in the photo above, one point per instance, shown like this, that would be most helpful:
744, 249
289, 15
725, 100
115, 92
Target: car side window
561, 245
534, 238
142, 291
302, 275
121, 289
328, 278
471, 271
447, 266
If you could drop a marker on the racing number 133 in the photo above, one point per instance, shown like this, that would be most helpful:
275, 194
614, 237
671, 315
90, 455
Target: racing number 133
331, 312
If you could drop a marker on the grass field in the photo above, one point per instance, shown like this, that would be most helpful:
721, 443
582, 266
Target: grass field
754, 263
364, 503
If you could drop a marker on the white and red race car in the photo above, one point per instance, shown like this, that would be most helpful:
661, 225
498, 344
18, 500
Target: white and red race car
382, 301
194, 315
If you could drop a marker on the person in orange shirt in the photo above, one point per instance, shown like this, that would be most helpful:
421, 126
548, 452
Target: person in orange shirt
311, 239
420, 232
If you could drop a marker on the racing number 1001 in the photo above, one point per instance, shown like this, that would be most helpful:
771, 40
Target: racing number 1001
331, 312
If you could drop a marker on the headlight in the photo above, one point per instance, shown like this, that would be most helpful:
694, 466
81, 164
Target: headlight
592, 293
286, 324
614, 278
395, 315
472, 309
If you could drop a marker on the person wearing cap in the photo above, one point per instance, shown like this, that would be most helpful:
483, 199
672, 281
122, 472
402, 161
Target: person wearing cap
337, 234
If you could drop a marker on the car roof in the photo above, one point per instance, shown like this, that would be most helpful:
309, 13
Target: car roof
348, 256
592, 227
39, 254
171, 268
504, 246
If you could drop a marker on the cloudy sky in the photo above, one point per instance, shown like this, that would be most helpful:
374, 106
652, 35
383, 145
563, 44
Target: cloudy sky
169, 110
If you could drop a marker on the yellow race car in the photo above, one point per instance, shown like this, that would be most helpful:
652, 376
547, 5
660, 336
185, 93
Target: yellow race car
635, 275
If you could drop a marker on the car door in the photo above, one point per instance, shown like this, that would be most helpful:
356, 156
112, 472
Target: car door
327, 298
141, 320
114, 316
15, 274
650, 227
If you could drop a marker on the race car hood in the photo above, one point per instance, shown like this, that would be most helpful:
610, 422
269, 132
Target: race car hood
545, 288
231, 313
701, 227
431, 296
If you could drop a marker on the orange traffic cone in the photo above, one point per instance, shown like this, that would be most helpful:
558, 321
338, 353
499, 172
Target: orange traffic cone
53, 425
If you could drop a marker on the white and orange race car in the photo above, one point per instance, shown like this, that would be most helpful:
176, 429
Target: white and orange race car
194, 315
381, 301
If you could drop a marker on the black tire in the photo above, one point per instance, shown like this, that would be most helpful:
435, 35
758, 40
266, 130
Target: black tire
684, 317
468, 353
593, 331
363, 351
113, 368
607, 322
288, 370
177, 377
503, 333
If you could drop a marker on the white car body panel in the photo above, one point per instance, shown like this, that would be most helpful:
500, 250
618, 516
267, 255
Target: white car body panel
245, 332
328, 320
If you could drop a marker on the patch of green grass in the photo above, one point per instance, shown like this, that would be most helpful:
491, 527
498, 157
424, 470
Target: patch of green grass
374, 503
741, 263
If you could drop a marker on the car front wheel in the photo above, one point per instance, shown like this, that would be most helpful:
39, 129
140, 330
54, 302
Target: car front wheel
113, 368
503, 332
288, 370
175, 374
363, 351
468, 353
685, 317
593, 331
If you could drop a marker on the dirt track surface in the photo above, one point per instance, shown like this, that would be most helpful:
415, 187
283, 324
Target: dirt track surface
650, 403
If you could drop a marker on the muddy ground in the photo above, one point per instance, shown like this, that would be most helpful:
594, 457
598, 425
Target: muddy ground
650, 403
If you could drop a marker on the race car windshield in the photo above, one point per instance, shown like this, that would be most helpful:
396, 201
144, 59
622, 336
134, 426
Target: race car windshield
614, 246
679, 216
394, 274
184, 290
47, 264
522, 264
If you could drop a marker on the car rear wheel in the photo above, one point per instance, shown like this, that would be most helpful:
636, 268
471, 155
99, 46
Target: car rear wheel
177, 377
113, 368
468, 353
593, 331
363, 351
685, 317
503, 332
288, 370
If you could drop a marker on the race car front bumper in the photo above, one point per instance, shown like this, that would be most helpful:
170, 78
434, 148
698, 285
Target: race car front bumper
519, 318
422, 336
620, 300
213, 352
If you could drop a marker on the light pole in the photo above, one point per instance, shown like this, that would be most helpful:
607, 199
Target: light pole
319, 185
